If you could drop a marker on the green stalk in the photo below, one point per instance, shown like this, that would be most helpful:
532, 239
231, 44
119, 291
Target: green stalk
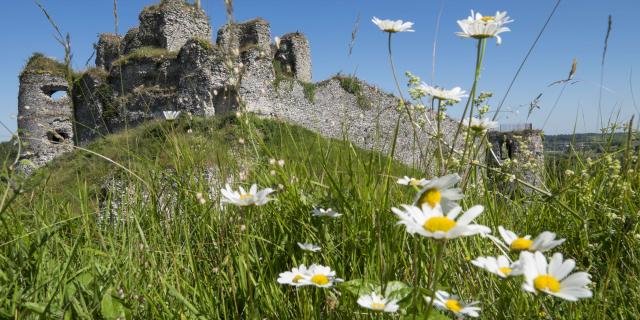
479, 58
434, 276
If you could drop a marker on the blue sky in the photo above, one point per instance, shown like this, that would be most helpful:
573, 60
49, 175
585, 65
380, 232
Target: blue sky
577, 30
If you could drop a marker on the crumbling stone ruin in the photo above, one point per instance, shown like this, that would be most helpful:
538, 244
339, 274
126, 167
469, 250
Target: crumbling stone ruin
45, 123
170, 63
519, 152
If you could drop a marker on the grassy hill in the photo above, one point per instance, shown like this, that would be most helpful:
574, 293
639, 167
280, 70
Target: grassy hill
173, 253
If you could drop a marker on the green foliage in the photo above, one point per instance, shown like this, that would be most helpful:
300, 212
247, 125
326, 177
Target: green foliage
40, 64
8, 152
353, 86
145, 54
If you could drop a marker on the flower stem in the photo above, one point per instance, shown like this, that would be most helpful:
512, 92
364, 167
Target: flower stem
440, 155
479, 58
434, 275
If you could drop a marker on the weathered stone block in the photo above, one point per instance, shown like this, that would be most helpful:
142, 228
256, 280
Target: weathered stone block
107, 50
294, 54
254, 33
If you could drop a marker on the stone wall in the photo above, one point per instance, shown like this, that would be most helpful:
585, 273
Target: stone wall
107, 50
520, 153
294, 56
44, 123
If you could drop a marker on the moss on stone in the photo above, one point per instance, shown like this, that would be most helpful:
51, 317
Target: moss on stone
40, 64
207, 44
281, 74
353, 86
145, 53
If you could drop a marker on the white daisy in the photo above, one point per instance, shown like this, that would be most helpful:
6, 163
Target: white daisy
456, 94
378, 303
320, 276
170, 115
431, 222
407, 181
439, 191
309, 247
243, 198
319, 212
482, 125
294, 277
554, 278
447, 302
478, 27
543, 242
393, 26
500, 266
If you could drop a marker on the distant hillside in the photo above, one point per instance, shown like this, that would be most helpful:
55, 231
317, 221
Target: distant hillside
585, 141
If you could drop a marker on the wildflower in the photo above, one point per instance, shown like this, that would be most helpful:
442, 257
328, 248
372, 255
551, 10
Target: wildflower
243, 198
392, 26
309, 247
432, 223
281, 163
378, 303
482, 125
170, 115
241, 141
272, 172
554, 278
319, 212
200, 198
294, 277
439, 191
478, 27
320, 276
189, 130
500, 266
445, 301
543, 242
569, 173
406, 181
455, 95
272, 161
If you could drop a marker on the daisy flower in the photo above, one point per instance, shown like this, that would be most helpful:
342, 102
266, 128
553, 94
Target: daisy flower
243, 198
478, 27
447, 302
309, 247
554, 278
482, 125
439, 191
392, 26
294, 277
456, 94
432, 223
378, 303
500, 266
319, 212
320, 276
170, 115
407, 181
543, 242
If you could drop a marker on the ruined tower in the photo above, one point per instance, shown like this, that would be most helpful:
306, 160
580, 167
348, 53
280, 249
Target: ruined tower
44, 110
519, 152
294, 56
168, 25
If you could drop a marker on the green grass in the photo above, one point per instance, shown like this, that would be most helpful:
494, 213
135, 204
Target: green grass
353, 86
40, 64
145, 54
177, 258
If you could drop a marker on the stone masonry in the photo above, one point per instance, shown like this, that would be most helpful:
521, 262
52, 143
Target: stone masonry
170, 63
519, 152
45, 125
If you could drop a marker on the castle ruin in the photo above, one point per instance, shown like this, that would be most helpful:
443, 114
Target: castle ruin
170, 63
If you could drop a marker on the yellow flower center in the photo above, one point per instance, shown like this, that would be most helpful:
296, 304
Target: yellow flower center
521, 244
296, 278
453, 305
488, 19
414, 182
320, 279
547, 282
443, 224
431, 196
377, 306
505, 270
245, 196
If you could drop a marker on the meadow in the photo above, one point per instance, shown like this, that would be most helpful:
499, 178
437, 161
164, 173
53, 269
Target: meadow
135, 225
